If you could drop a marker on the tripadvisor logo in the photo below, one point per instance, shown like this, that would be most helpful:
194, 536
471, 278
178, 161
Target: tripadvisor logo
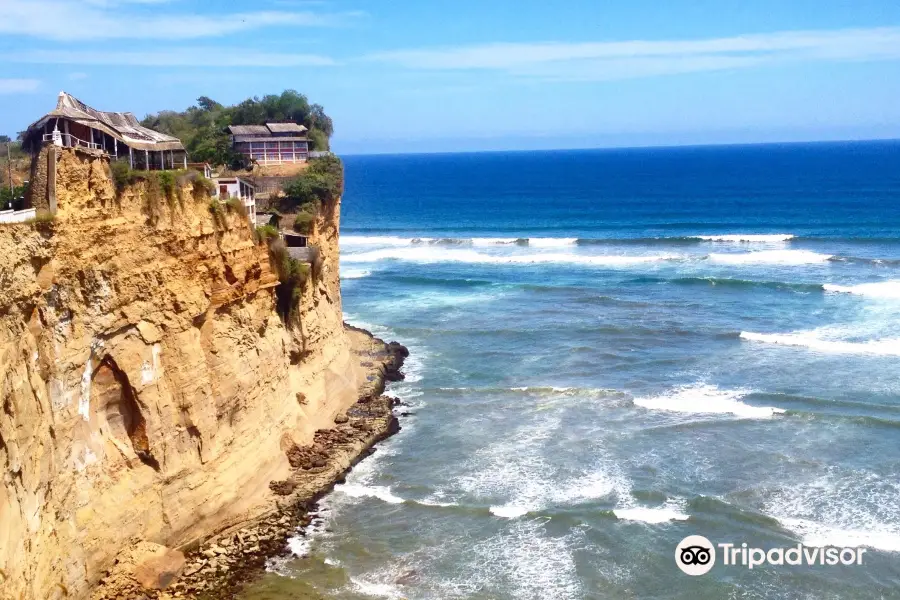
696, 555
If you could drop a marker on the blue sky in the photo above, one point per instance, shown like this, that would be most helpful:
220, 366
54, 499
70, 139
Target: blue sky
418, 75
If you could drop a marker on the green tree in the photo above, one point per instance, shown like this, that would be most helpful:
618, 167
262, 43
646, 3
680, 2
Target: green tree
202, 128
320, 184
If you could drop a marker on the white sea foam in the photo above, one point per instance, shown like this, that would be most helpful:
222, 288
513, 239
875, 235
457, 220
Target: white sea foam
813, 341
540, 242
354, 273
378, 240
511, 511
493, 241
706, 399
841, 508
770, 257
767, 238
524, 561
383, 493
881, 289
429, 255
817, 534
650, 515
430, 502
376, 590
299, 545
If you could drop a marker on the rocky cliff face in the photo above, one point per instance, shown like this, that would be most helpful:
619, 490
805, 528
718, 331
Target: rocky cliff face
148, 386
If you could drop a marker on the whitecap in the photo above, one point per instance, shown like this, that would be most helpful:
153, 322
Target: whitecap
652, 516
436, 503
808, 339
706, 399
354, 273
376, 590
382, 493
841, 508
819, 535
767, 238
540, 242
771, 257
430, 255
510, 511
377, 240
881, 289
593, 486
494, 241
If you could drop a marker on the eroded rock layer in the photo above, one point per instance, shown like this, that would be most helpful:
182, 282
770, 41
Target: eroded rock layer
147, 384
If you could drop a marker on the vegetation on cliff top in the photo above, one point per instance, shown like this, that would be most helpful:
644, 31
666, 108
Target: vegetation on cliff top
202, 127
320, 185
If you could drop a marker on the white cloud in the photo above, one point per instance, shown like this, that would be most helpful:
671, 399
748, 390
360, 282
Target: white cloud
111, 3
18, 86
173, 57
68, 20
643, 58
77, 76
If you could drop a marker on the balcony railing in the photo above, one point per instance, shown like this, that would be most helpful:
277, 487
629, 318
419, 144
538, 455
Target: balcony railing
70, 141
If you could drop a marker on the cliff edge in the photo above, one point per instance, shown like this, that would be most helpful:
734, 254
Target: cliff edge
149, 388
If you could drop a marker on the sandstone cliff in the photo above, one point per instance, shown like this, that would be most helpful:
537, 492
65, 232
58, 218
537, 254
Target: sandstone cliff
148, 386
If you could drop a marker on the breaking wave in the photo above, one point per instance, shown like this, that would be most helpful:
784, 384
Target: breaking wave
809, 339
842, 509
434, 255
543, 242
652, 516
707, 399
881, 289
771, 257
354, 273
551, 242
748, 238
383, 493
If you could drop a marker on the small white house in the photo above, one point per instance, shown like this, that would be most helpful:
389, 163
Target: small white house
237, 187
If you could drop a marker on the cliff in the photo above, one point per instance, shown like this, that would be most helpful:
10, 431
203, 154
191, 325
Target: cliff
149, 388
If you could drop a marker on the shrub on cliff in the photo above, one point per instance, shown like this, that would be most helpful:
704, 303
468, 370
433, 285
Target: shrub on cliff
167, 184
292, 275
321, 184
235, 205
218, 214
266, 233
122, 176
303, 222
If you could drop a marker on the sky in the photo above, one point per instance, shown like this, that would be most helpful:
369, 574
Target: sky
434, 76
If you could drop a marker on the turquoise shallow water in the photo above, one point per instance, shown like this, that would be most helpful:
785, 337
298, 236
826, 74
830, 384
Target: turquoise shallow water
613, 350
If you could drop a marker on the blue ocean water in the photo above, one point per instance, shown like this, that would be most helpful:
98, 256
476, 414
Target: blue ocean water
612, 350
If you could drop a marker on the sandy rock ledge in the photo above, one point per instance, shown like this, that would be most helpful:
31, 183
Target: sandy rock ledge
220, 566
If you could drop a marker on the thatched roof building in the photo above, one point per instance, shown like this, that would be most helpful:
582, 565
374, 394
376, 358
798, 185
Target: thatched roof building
272, 143
74, 124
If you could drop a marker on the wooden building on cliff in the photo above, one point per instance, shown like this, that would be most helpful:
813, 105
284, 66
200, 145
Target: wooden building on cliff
272, 143
74, 124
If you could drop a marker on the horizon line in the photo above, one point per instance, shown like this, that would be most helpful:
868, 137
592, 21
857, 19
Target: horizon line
634, 147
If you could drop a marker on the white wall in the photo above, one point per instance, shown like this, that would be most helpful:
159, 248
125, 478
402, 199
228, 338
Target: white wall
16, 216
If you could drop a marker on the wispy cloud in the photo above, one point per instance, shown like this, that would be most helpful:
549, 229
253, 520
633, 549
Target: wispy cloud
77, 76
643, 58
68, 20
113, 3
18, 86
174, 57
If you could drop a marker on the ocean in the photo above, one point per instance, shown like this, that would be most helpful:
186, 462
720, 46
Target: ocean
613, 350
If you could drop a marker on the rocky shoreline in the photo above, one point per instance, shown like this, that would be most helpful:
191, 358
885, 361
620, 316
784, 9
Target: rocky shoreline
221, 566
